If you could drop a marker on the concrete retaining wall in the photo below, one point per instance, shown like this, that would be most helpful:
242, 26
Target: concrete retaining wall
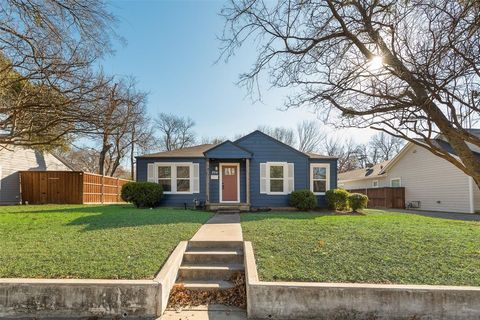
73, 298
293, 300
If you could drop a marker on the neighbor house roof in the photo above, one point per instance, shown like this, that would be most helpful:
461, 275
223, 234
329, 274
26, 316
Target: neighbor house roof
366, 173
187, 152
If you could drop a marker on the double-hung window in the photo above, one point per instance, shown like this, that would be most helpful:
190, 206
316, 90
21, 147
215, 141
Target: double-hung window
181, 177
276, 178
319, 178
165, 177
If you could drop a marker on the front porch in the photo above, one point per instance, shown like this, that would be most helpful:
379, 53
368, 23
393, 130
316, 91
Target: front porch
227, 183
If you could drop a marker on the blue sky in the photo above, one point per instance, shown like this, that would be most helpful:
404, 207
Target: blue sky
171, 47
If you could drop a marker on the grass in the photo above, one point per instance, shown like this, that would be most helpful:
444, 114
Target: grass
104, 242
380, 247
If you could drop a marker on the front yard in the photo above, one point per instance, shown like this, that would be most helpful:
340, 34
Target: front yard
75, 241
381, 247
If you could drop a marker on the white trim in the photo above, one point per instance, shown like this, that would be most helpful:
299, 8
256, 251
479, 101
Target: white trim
373, 184
327, 176
220, 165
470, 191
173, 178
396, 178
284, 165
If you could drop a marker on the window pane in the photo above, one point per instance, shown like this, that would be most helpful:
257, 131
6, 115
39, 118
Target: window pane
319, 186
166, 184
183, 185
276, 172
164, 172
319, 173
183, 172
395, 183
276, 185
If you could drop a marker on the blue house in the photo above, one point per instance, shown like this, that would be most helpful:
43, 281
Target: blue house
255, 171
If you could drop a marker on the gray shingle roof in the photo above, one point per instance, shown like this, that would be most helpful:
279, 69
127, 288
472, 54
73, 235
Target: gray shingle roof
375, 171
187, 152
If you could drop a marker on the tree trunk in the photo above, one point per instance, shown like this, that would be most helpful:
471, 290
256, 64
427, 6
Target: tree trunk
132, 156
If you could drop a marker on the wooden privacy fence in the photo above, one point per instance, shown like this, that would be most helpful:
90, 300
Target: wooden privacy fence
69, 187
386, 197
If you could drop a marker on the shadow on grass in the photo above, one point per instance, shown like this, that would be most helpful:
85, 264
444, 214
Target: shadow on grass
97, 217
295, 215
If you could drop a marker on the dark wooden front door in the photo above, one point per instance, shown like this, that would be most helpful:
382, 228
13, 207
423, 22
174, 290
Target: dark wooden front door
229, 183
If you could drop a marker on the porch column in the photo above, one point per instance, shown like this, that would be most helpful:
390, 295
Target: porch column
207, 180
247, 184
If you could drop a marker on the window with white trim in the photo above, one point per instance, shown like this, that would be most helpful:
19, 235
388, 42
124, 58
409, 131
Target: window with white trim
164, 175
276, 178
180, 177
319, 178
375, 183
395, 183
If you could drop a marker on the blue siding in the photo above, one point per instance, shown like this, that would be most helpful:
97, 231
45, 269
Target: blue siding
266, 149
175, 200
261, 148
227, 150
215, 184
333, 178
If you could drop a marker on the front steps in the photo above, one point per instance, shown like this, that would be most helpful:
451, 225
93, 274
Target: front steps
237, 207
209, 265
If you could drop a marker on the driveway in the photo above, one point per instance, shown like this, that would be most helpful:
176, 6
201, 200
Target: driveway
442, 215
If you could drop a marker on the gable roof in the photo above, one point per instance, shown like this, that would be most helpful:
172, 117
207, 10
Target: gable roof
199, 151
228, 150
305, 154
187, 152
365, 173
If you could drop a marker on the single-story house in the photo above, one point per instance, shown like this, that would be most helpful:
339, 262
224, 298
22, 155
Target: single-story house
16, 158
430, 182
253, 171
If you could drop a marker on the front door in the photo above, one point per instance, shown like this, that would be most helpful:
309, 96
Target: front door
229, 183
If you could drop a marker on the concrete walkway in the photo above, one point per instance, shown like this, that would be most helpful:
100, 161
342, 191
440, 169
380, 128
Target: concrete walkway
211, 312
221, 227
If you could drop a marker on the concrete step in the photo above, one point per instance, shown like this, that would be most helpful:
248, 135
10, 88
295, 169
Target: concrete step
201, 256
227, 211
206, 285
214, 245
208, 272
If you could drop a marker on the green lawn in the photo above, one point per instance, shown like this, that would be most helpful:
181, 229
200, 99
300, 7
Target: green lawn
381, 247
95, 241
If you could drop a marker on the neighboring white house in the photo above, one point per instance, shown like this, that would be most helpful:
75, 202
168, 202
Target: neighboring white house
14, 159
436, 183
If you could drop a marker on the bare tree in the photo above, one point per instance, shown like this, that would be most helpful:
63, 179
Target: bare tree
285, 135
213, 140
46, 51
386, 146
176, 132
409, 68
347, 152
310, 136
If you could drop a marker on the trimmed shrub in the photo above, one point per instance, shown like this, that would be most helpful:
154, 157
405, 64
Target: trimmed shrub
142, 194
337, 199
303, 200
357, 201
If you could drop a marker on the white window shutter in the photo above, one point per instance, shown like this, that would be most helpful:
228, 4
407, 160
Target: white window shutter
196, 178
263, 178
151, 172
290, 177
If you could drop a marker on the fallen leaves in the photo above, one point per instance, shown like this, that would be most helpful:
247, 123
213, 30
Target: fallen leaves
236, 296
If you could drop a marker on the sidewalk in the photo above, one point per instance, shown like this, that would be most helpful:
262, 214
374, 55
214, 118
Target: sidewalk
221, 227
